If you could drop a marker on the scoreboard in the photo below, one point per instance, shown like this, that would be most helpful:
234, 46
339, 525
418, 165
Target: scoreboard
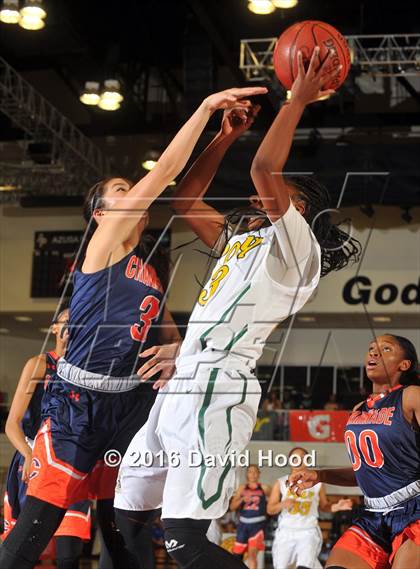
53, 256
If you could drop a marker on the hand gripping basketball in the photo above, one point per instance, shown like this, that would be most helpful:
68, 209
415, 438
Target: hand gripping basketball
308, 85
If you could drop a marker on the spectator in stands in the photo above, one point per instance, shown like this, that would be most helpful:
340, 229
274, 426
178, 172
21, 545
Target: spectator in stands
274, 403
288, 401
306, 402
332, 403
266, 425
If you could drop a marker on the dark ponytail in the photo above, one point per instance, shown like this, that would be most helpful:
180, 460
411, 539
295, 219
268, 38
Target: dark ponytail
93, 200
159, 259
410, 376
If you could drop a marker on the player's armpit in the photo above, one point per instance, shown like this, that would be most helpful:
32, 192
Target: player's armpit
411, 404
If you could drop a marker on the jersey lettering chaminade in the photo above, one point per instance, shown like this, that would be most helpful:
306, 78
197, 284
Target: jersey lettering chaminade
383, 447
114, 315
304, 512
261, 278
254, 503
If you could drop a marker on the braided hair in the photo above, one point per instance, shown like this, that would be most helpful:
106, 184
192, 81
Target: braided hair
411, 375
95, 200
338, 248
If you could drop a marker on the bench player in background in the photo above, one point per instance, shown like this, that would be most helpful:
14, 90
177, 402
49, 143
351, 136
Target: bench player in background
250, 501
22, 425
298, 538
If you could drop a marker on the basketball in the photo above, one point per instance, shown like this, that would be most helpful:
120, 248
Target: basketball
305, 36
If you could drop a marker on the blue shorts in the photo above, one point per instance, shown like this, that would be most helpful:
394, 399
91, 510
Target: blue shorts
384, 528
249, 535
375, 537
70, 459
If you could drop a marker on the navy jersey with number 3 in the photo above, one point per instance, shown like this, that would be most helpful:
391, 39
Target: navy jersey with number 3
114, 315
383, 446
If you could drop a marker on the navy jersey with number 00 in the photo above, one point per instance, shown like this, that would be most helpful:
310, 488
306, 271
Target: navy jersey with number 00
383, 446
114, 315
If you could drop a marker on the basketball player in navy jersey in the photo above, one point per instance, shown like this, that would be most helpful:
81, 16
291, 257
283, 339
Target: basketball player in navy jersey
22, 425
382, 440
116, 312
250, 500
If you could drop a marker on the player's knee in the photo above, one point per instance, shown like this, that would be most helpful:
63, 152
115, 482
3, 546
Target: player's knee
131, 524
185, 540
252, 553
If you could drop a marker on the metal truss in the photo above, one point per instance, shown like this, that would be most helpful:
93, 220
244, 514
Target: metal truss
40, 180
393, 55
77, 159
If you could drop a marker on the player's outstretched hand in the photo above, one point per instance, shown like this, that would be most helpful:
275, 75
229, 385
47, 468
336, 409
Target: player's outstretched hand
341, 505
237, 97
162, 360
308, 86
236, 121
301, 481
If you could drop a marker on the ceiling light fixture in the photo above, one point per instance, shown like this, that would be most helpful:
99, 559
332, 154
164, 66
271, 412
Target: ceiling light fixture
285, 4
150, 159
307, 318
9, 12
261, 7
4, 330
90, 95
32, 23
23, 319
9, 188
381, 319
111, 96
33, 9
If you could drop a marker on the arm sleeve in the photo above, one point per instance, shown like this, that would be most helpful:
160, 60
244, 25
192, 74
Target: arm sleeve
299, 249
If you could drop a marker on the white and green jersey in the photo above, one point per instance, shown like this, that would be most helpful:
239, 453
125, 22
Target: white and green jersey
261, 278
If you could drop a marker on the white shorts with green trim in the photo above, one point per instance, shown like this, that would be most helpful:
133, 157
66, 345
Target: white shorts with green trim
184, 457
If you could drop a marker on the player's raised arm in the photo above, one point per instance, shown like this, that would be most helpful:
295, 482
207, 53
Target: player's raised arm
271, 157
203, 219
122, 214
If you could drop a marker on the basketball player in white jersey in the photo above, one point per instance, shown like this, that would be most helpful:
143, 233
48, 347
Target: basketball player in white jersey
269, 265
298, 539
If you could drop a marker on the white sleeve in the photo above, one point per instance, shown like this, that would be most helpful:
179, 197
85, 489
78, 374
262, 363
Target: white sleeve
298, 246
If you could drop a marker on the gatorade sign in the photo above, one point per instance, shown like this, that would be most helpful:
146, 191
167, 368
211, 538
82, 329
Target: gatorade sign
318, 426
